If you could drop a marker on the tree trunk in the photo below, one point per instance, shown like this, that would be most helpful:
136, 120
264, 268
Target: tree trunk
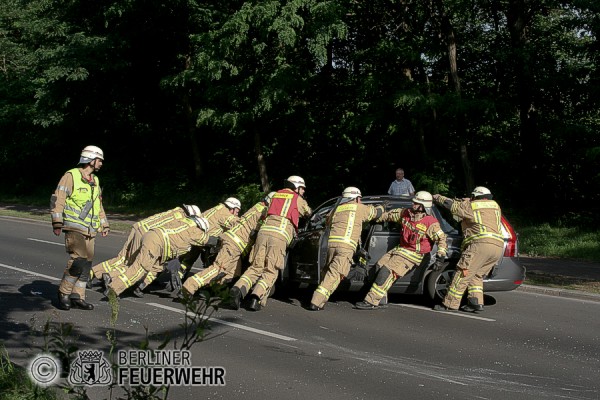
461, 130
262, 166
531, 149
191, 129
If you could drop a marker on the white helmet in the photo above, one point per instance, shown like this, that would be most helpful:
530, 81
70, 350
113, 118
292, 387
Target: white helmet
480, 191
351, 192
269, 197
192, 210
202, 223
90, 153
297, 181
232, 202
424, 198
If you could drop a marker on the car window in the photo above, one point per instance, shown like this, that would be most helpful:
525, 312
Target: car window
448, 222
318, 218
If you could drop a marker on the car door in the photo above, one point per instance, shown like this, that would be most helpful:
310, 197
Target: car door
305, 255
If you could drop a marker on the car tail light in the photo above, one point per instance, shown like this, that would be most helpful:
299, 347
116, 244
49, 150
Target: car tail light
510, 235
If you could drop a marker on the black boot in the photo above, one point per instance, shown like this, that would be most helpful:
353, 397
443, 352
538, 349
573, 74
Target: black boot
472, 306
236, 298
139, 290
254, 304
365, 305
313, 307
106, 279
63, 302
84, 305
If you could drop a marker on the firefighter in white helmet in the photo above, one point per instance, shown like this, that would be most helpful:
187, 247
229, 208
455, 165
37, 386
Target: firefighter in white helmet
236, 244
268, 254
159, 245
221, 218
481, 249
76, 208
134, 240
420, 230
343, 242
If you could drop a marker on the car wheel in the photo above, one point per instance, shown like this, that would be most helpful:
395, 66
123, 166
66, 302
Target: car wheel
437, 284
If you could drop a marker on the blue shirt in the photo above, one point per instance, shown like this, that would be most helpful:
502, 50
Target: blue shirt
398, 188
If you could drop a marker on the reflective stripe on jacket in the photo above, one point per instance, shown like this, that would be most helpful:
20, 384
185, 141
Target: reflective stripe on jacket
486, 223
82, 207
157, 220
240, 233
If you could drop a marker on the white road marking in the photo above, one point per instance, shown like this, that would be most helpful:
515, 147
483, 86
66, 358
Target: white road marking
45, 241
216, 320
453, 314
234, 325
52, 278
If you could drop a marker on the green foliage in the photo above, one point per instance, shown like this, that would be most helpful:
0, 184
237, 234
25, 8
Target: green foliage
185, 97
249, 195
548, 240
15, 383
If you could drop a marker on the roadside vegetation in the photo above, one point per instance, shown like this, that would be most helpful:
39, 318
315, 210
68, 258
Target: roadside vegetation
16, 385
573, 242
61, 340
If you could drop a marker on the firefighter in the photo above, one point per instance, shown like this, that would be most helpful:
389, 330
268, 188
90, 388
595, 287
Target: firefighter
420, 230
268, 254
221, 217
134, 240
159, 245
343, 241
236, 244
76, 208
481, 249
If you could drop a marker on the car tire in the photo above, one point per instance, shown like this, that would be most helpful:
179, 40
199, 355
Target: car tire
438, 282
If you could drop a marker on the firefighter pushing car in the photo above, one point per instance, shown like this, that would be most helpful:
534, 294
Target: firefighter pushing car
236, 243
343, 241
159, 246
420, 230
134, 240
481, 249
268, 254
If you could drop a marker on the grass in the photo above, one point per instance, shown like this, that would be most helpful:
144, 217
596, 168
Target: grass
15, 383
546, 240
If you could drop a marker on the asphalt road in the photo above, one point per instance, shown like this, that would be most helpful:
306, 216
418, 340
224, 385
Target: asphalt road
525, 346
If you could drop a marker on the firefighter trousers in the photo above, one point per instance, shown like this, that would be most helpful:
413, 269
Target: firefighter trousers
148, 260
339, 260
228, 262
478, 259
393, 266
266, 260
124, 258
80, 248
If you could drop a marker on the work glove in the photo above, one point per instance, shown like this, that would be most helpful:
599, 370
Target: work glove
438, 265
173, 266
357, 273
213, 241
176, 284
